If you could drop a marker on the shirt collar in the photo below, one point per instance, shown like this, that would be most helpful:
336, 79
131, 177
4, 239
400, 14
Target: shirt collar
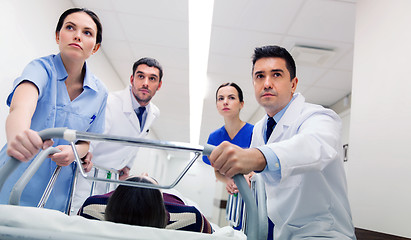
89, 79
61, 70
280, 114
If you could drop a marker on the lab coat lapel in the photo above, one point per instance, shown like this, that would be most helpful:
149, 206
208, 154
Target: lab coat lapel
258, 133
152, 114
149, 119
129, 111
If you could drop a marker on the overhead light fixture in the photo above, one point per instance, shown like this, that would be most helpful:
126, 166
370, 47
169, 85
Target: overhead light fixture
311, 55
200, 18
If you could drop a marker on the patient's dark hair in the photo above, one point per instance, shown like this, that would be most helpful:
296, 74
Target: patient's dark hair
137, 206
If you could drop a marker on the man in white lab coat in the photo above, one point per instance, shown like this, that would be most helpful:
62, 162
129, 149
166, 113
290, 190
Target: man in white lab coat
297, 149
129, 113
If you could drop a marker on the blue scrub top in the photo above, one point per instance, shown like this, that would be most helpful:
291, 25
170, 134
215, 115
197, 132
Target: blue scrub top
55, 109
242, 139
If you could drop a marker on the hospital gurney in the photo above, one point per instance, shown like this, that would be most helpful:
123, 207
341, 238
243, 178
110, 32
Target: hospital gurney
254, 225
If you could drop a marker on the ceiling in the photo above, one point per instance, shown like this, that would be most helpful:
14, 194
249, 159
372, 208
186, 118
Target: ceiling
159, 29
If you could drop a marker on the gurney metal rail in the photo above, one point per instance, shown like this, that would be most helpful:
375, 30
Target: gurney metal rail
254, 226
236, 213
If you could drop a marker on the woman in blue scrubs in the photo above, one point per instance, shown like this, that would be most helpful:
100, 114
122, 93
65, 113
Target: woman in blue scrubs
229, 102
55, 91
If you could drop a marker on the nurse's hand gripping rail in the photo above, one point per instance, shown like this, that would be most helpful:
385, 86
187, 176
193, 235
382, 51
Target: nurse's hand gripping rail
255, 227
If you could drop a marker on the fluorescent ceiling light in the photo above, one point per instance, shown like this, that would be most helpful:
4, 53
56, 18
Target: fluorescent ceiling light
200, 15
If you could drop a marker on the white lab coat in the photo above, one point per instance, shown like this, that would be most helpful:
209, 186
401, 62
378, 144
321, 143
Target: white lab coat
121, 120
310, 198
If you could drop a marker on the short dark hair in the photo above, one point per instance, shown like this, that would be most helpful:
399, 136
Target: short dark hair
240, 92
137, 206
99, 35
151, 62
275, 52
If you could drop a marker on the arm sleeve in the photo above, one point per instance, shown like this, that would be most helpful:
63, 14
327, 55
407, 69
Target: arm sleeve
36, 72
273, 163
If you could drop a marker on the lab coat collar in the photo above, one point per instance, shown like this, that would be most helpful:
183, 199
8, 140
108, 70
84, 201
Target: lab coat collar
293, 110
288, 118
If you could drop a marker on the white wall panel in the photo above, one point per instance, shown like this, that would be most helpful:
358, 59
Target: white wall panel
379, 163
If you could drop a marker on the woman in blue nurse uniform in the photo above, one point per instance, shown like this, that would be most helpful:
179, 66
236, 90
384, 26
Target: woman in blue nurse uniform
229, 102
55, 91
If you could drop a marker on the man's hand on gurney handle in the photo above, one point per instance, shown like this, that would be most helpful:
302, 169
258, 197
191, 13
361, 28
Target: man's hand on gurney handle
87, 164
124, 173
230, 160
25, 145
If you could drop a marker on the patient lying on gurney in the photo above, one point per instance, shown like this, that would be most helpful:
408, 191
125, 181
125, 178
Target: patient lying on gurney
137, 206
145, 207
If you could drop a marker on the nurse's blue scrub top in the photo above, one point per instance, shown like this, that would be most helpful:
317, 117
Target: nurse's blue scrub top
55, 109
242, 139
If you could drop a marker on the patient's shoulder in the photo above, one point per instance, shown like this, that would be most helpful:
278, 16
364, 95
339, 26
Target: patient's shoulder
94, 207
184, 217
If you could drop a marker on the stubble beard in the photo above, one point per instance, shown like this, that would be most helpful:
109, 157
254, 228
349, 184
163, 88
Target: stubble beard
142, 100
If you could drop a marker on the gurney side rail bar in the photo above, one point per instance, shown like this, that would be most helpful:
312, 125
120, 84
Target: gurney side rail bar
13, 163
28, 174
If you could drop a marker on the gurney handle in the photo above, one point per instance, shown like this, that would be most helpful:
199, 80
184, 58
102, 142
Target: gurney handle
251, 206
247, 195
208, 149
28, 174
13, 163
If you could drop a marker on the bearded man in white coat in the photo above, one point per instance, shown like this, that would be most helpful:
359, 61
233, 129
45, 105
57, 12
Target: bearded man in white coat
123, 114
296, 147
